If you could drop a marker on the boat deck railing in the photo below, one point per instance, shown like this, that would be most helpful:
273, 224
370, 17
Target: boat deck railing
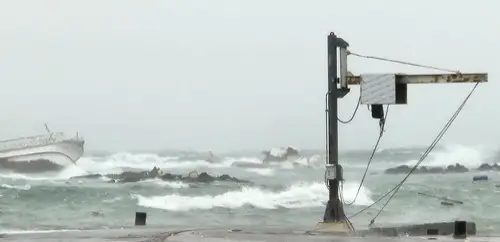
37, 140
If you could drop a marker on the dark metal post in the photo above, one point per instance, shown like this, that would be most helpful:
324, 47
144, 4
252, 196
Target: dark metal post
334, 209
140, 218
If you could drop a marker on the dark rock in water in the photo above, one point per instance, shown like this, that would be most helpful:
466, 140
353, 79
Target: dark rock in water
404, 169
430, 169
457, 168
225, 177
398, 170
97, 214
204, 177
447, 203
33, 166
130, 176
194, 177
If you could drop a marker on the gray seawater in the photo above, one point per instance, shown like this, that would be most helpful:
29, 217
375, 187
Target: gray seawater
281, 196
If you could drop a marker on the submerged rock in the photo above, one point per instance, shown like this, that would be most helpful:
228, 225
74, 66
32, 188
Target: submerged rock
128, 176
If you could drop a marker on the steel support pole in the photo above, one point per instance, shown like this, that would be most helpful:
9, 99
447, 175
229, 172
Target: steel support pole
334, 211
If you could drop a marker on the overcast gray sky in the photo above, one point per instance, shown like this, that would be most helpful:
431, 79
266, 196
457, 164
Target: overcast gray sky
231, 74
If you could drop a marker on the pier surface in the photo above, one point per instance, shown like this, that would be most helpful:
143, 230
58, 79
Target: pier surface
195, 235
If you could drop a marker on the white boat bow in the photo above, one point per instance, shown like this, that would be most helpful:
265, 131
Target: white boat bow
48, 144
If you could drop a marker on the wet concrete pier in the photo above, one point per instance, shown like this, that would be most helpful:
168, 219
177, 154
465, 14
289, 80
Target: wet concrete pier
145, 234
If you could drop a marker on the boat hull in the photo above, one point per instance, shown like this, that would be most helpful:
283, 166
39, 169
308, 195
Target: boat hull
72, 150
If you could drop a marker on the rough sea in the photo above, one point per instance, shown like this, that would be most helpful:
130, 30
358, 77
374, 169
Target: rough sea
281, 195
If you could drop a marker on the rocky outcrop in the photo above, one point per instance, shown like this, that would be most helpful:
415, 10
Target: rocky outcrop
457, 168
404, 169
193, 177
281, 154
488, 167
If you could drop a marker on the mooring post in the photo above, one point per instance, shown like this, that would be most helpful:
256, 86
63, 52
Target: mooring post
334, 211
140, 218
460, 229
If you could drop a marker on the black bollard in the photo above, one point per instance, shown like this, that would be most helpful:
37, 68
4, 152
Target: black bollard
140, 218
480, 178
432, 232
460, 230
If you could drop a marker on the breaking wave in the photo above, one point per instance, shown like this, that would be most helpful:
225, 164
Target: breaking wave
469, 156
161, 183
116, 163
265, 192
441, 156
296, 196
16, 187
